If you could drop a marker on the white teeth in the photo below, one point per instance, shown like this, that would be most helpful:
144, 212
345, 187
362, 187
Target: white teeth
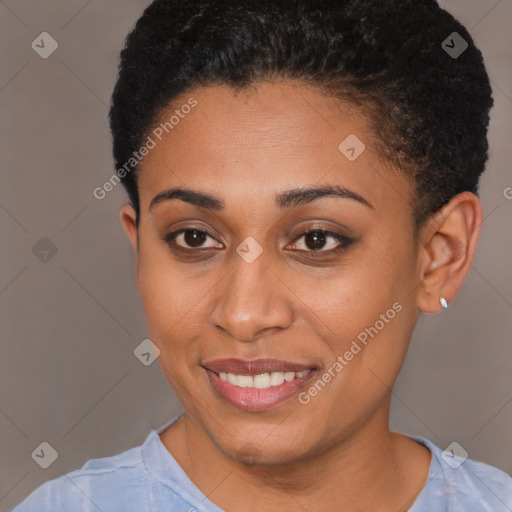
276, 378
261, 381
245, 381
288, 376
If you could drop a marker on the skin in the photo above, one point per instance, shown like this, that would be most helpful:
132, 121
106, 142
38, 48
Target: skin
245, 148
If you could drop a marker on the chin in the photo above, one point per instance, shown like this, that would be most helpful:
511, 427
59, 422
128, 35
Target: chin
270, 446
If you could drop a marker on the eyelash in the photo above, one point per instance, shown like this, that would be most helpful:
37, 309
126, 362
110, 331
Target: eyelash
345, 242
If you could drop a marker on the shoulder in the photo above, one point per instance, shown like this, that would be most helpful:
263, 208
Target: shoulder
97, 481
456, 482
142, 478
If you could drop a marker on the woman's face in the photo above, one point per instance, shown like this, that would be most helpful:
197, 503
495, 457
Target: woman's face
245, 281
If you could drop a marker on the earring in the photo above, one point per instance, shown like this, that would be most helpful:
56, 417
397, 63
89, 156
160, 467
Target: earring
443, 302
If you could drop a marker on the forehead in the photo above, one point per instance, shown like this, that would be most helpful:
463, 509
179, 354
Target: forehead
254, 143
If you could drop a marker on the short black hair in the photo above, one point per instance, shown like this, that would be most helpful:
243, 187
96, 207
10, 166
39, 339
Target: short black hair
429, 108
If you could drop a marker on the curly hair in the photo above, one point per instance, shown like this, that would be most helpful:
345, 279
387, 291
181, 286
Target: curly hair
428, 110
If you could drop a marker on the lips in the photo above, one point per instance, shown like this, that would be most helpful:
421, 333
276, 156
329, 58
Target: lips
224, 376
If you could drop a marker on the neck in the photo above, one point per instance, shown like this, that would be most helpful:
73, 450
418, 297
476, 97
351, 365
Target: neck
370, 469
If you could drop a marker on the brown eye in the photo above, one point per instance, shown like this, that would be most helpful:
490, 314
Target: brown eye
194, 238
191, 238
317, 239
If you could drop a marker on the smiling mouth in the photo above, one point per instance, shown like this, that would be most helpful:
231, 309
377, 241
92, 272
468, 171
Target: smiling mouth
257, 385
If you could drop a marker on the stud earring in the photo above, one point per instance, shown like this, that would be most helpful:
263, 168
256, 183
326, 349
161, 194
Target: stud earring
443, 302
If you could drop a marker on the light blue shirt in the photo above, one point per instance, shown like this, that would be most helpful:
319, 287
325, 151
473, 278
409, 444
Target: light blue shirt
148, 478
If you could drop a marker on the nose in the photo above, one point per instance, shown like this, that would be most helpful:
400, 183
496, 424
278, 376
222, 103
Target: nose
253, 302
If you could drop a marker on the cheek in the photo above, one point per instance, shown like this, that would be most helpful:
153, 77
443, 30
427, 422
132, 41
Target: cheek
363, 314
168, 298
353, 297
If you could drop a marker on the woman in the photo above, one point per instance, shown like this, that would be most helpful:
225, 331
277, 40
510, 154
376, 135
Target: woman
303, 183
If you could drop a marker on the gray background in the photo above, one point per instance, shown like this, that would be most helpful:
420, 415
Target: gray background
69, 326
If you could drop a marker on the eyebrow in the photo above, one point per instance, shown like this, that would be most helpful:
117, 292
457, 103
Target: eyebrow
287, 199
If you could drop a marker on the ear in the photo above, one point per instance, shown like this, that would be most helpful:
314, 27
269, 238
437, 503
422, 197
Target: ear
448, 243
128, 218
